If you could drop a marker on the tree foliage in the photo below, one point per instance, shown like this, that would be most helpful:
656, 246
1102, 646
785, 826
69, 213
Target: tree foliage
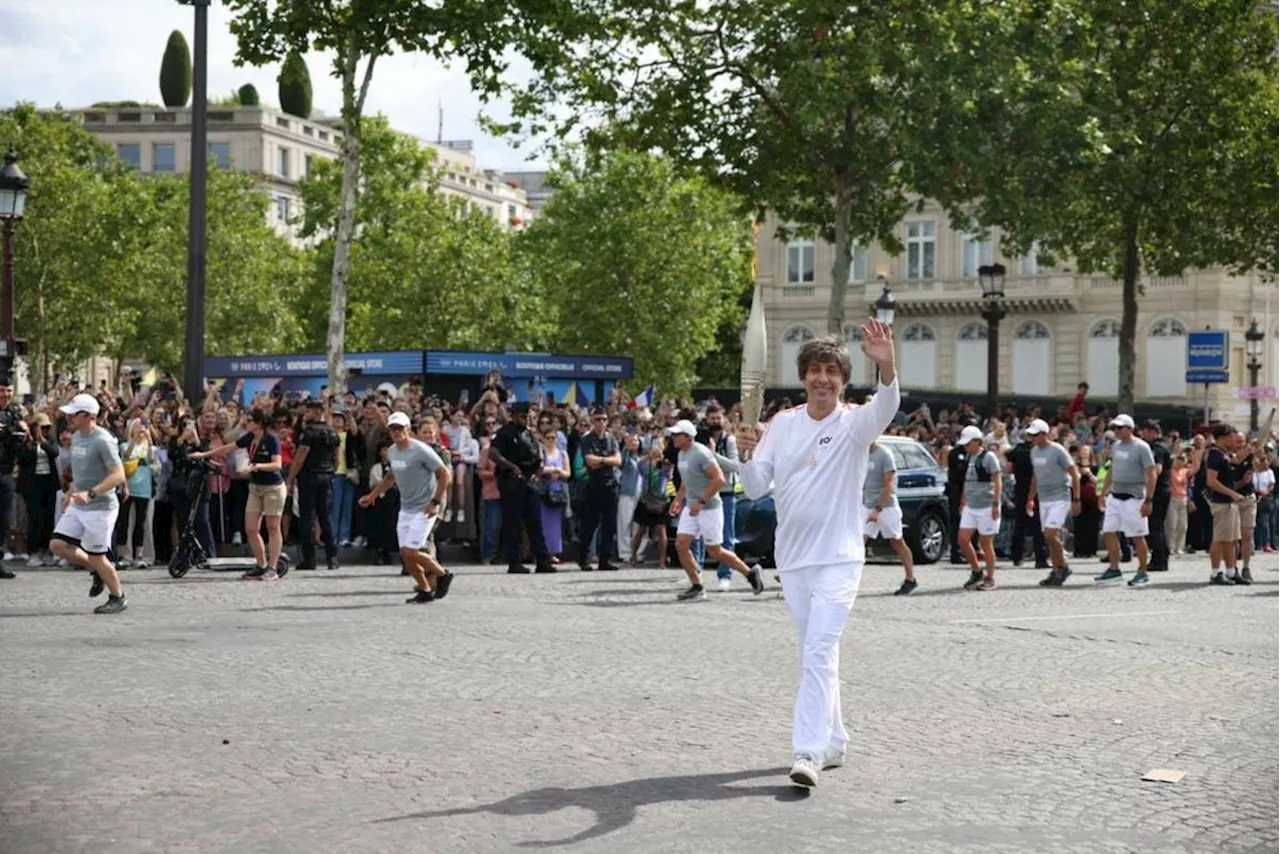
636, 258
248, 94
295, 86
175, 71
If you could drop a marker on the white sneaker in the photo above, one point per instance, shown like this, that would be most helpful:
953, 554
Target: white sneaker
124, 563
462, 515
726, 584
235, 539
50, 560
35, 561
10, 556
832, 759
804, 772
141, 563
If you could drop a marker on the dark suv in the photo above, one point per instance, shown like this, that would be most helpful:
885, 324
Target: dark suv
921, 492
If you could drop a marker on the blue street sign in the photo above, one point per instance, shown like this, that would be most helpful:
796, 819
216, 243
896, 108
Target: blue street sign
1208, 352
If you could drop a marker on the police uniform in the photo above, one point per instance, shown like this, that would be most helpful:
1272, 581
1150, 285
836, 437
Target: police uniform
1160, 501
314, 482
10, 444
518, 446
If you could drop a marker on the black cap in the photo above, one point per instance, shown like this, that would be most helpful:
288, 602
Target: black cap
520, 408
1151, 424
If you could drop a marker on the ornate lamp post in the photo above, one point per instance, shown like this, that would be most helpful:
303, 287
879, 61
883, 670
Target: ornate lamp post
13, 202
1253, 337
886, 308
993, 311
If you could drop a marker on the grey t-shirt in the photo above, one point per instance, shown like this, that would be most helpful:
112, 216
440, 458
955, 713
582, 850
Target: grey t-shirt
693, 463
1129, 464
92, 458
1050, 464
415, 470
980, 494
879, 461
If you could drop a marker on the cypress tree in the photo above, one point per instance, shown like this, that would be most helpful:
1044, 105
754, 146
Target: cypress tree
295, 86
175, 71
249, 95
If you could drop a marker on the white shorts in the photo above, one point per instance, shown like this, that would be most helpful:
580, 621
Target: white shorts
1053, 514
91, 530
1124, 517
980, 521
888, 526
413, 527
708, 525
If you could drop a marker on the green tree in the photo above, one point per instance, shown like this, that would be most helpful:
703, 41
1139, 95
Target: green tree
1151, 146
357, 33
175, 71
821, 112
424, 270
639, 259
248, 94
295, 86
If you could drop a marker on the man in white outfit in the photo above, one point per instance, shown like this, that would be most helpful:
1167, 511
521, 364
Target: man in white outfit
814, 460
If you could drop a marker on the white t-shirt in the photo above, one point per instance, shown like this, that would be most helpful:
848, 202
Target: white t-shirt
816, 470
1263, 481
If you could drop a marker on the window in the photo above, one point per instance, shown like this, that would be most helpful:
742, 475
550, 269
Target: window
858, 264
131, 153
162, 157
282, 162
324, 135
308, 130
920, 249
511, 211
220, 154
1032, 331
282, 123
222, 116
163, 118
800, 263
306, 166
977, 253
918, 332
1029, 264
917, 457
282, 208
129, 117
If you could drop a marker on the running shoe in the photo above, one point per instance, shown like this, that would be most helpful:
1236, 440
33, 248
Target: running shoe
1140, 579
1109, 576
442, 585
1245, 578
695, 591
908, 587
96, 586
757, 582
975, 578
804, 772
113, 605
420, 597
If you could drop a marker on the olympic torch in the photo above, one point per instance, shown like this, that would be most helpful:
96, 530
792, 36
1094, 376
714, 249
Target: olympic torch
755, 359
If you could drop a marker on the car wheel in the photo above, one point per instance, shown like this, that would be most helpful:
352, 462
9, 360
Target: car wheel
929, 538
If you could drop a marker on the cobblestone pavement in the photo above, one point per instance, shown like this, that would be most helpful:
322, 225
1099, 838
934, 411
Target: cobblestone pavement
593, 713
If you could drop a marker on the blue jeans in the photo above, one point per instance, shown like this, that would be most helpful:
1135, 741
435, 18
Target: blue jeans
492, 527
343, 498
729, 501
1263, 532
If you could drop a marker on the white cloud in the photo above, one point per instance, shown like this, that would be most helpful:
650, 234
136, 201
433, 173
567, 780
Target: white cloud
76, 52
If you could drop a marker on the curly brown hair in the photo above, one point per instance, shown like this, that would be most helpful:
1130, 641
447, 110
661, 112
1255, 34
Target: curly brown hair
826, 349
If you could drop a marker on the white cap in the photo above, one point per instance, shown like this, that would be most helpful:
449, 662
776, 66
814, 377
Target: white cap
398, 419
1122, 421
82, 403
969, 433
682, 426
1036, 427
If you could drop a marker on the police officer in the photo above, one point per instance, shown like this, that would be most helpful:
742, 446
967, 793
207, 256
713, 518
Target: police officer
602, 456
517, 460
1023, 472
957, 468
12, 435
1150, 433
314, 463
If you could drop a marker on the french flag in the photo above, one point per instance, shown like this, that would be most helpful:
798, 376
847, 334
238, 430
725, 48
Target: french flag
644, 398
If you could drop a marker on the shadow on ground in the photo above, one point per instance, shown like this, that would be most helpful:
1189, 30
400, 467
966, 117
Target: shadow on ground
615, 805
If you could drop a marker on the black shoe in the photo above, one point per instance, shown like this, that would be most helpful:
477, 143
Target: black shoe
305, 567
332, 565
4, 573
256, 572
1157, 569
420, 597
517, 569
96, 586
975, 578
442, 585
546, 567
1042, 565
113, 605
694, 592
1243, 578
1219, 579
908, 587
757, 580
609, 567
584, 567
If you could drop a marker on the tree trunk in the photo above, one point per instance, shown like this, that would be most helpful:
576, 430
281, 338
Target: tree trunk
336, 339
844, 257
1129, 316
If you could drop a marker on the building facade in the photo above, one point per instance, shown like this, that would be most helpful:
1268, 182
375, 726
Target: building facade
281, 149
1062, 327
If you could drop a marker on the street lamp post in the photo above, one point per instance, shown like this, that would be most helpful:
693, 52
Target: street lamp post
1253, 342
13, 201
886, 308
193, 342
993, 311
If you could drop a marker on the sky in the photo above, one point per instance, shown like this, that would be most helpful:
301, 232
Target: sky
76, 52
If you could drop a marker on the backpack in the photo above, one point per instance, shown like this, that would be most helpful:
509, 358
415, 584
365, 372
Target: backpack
984, 476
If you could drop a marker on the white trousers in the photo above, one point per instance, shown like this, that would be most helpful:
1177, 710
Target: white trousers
820, 599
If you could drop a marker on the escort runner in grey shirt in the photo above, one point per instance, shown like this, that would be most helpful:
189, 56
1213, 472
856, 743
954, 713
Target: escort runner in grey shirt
693, 463
415, 470
92, 458
980, 494
879, 461
1129, 464
1051, 464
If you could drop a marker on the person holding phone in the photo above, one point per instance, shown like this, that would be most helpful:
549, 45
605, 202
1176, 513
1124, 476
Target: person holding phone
38, 485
